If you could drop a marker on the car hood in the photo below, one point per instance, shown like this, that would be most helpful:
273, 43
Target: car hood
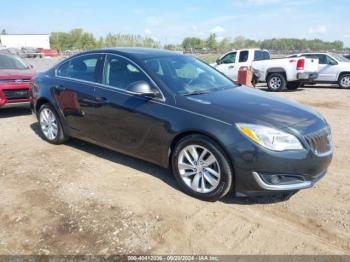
345, 64
16, 73
248, 105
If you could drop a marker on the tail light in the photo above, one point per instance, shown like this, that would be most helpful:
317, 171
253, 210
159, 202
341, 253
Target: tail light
300, 64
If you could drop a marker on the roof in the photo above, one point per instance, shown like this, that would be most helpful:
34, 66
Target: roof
138, 52
21, 34
313, 53
249, 49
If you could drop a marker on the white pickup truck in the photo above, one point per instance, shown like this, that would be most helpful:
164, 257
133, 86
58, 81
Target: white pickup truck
277, 73
332, 68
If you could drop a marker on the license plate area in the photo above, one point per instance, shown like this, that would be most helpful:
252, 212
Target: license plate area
16, 94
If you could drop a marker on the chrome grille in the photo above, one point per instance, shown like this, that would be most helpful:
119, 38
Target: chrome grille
14, 81
320, 141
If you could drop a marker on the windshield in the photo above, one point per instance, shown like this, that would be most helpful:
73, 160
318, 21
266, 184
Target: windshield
340, 58
11, 62
186, 75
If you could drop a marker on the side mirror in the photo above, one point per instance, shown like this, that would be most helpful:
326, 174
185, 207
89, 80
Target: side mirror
218, 61
143, 88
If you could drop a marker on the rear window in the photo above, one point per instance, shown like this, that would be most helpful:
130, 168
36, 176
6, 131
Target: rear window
82, 68
261, 55
243, 56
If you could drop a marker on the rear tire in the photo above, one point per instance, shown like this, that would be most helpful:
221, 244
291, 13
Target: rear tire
50, 125
344, 81
293, 85
276, 82
191, 168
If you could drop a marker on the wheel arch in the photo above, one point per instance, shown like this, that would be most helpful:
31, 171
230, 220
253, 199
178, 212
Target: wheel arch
186, 133
343, 73
273, 70
44, 100
40, 102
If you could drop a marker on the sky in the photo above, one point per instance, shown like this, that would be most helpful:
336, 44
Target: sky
169, 21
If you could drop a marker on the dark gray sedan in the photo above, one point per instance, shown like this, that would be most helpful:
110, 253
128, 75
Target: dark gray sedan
178, 112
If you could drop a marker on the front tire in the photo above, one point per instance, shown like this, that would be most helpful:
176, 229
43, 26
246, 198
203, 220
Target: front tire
344, 81
276, 82
201, 168
50, 125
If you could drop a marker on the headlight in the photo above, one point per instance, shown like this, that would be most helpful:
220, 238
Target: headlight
270, 138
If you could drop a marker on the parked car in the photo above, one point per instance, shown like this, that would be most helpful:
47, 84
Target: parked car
47, 52
11, 51
278, 73
347, 57
15, 78
28, 52
332, 68
177, 112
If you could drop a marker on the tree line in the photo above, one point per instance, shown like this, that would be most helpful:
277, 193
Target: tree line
275, 44
78, 39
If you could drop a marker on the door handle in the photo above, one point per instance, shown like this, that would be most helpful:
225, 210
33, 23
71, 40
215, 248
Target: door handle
102, 100
60, 88
231, 67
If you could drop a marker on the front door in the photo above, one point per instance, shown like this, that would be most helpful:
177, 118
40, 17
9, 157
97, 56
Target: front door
228, 65
128, 122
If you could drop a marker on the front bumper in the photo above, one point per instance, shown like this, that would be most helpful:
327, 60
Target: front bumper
307, 76
8, 98
259, 171
257, 177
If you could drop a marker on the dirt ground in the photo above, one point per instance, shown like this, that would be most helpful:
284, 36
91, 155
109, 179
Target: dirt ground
82, 199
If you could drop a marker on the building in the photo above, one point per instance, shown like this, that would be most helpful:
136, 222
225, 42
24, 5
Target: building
24, 40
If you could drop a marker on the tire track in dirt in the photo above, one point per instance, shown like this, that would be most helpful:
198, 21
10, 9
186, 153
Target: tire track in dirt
294, 223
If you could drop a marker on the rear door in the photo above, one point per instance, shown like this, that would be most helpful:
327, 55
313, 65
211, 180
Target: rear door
243, 60
227, 65
74, 91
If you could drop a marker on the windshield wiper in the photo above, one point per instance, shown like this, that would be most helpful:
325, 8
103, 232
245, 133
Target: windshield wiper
196, 93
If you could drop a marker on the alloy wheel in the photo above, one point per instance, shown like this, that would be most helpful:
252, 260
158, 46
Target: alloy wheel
275, 82
345, 82
199, 168
48, 124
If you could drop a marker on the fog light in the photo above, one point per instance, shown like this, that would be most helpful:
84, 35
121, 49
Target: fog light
281, 179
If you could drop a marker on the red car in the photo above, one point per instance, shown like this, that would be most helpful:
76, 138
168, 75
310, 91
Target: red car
48, 52
15, 78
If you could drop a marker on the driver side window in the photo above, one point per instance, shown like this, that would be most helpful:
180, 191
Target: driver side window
120, 73
323, 59
229, 58
329, 60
